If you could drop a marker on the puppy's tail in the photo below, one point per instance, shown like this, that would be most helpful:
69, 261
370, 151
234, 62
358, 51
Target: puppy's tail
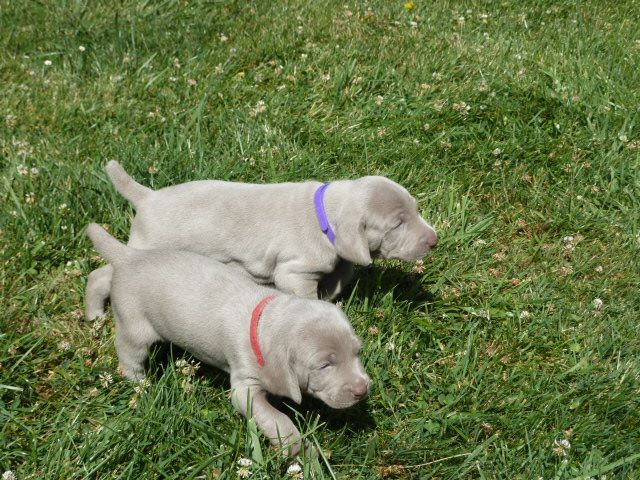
127, 186
111, 249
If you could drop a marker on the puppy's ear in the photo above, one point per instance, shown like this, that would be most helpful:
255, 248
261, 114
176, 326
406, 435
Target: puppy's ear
279, 375
351, 236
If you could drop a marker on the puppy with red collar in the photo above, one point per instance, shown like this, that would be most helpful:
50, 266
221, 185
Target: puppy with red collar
269, 342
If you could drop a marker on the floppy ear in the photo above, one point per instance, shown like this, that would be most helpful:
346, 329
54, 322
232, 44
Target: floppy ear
351, 237
279, 375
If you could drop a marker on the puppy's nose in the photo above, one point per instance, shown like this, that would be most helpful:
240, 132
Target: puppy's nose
359, 388
432, 238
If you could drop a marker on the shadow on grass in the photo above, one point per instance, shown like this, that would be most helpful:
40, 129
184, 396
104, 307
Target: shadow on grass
163, 353
355, 419
377, 280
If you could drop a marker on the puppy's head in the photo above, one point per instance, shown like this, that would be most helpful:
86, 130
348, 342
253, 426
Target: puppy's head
388, 222
325, 357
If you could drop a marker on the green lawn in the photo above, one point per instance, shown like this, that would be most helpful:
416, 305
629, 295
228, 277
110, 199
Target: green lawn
515, 124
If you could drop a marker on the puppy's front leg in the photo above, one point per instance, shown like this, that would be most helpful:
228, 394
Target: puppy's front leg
251, 401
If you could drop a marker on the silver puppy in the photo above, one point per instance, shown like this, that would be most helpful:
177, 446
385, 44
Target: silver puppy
273, 231
294, 345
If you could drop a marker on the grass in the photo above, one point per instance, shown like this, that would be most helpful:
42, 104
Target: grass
515, 124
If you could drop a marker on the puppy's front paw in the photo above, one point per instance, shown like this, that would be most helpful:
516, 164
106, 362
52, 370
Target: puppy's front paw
290, 447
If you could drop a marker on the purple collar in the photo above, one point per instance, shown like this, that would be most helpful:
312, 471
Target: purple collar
318, 202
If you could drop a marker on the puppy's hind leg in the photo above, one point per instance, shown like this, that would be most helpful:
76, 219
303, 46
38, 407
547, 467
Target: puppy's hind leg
98, 290
132, 344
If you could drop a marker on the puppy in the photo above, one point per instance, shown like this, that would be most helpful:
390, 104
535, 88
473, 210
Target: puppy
269, 342
302, 237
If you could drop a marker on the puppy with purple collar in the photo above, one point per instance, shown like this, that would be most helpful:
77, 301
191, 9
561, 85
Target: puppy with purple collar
301, 237
268, 341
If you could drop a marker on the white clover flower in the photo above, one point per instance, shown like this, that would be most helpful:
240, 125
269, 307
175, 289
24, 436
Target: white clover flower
243, 472
497, 152
223, 38
181, 363
295, 470
219, 70
22, 170
98, 323
568, 239
47, 63
81, 48
419, 266
30, 198
562, 447
413, 24
106, 379
64, 345
35, 171
391, 346
524, 315
462, 108
259, 108
599, 269
186, 368
326, 77
141, 388
244, 462
9, 475
379, 99
598, 303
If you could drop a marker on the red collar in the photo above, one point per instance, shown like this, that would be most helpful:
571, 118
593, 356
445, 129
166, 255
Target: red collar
253, 332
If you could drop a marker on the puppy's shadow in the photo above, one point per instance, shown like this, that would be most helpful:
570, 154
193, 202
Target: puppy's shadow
356, 418
380, 279
162, 354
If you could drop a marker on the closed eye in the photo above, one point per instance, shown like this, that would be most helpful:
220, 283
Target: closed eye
324, 365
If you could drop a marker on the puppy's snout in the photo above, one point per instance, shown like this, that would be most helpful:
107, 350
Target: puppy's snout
360, 388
